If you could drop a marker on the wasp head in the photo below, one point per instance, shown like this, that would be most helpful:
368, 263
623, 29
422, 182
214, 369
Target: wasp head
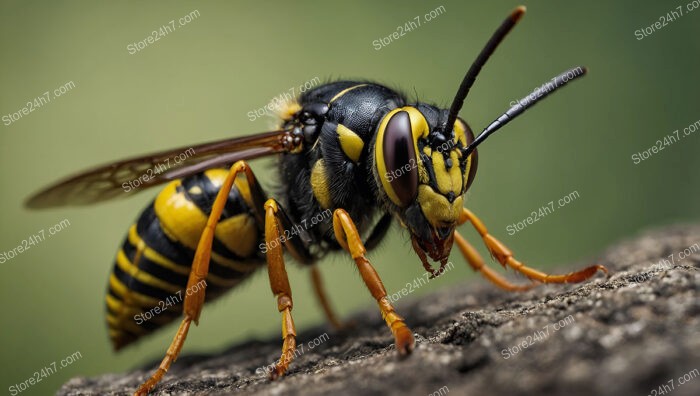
422, 175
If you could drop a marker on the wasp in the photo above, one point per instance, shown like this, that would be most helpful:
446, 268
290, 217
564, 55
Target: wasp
352, 155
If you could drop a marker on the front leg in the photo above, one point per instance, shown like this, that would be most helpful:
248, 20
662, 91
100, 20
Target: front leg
505, 256
348, 237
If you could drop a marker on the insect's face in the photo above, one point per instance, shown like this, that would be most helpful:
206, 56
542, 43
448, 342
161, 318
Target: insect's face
423, 176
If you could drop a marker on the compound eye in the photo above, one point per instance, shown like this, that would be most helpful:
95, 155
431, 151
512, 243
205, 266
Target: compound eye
400, 159
471, 172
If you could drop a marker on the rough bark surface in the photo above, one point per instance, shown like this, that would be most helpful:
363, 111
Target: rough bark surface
626, 334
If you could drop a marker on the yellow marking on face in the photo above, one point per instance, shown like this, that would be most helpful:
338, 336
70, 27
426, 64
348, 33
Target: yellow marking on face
419, 129
437, 209
461, 136
460, 133
350, 142
346, 90
319, 184
447, 180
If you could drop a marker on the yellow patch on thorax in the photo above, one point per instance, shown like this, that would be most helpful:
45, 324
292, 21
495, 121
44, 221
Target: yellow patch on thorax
346, 90
350, 142
319, 184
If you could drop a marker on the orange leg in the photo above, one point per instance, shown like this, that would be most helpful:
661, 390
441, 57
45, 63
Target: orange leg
505, 256
200, 269
477, 263
348, 237
279, 283
322, 298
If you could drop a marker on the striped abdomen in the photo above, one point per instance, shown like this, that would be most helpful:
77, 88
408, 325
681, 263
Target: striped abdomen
147, 285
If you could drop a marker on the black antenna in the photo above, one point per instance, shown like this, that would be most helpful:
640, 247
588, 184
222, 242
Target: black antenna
525, 103
475, 68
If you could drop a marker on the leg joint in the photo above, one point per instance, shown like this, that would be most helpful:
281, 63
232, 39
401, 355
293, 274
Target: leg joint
284, 302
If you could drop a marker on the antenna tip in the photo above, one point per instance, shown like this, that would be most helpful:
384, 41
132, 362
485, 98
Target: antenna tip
518, 13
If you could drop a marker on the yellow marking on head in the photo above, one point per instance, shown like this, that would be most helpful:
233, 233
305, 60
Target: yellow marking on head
447, 180
346, 90
437, 209
419, 129
350, 142
460, 133
319, 185
461, 136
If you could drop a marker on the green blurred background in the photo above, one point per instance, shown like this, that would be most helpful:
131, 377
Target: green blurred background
197, 84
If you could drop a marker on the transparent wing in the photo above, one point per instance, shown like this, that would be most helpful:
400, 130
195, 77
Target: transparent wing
124, 178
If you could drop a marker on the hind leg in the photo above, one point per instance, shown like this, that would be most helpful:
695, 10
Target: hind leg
200, 268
